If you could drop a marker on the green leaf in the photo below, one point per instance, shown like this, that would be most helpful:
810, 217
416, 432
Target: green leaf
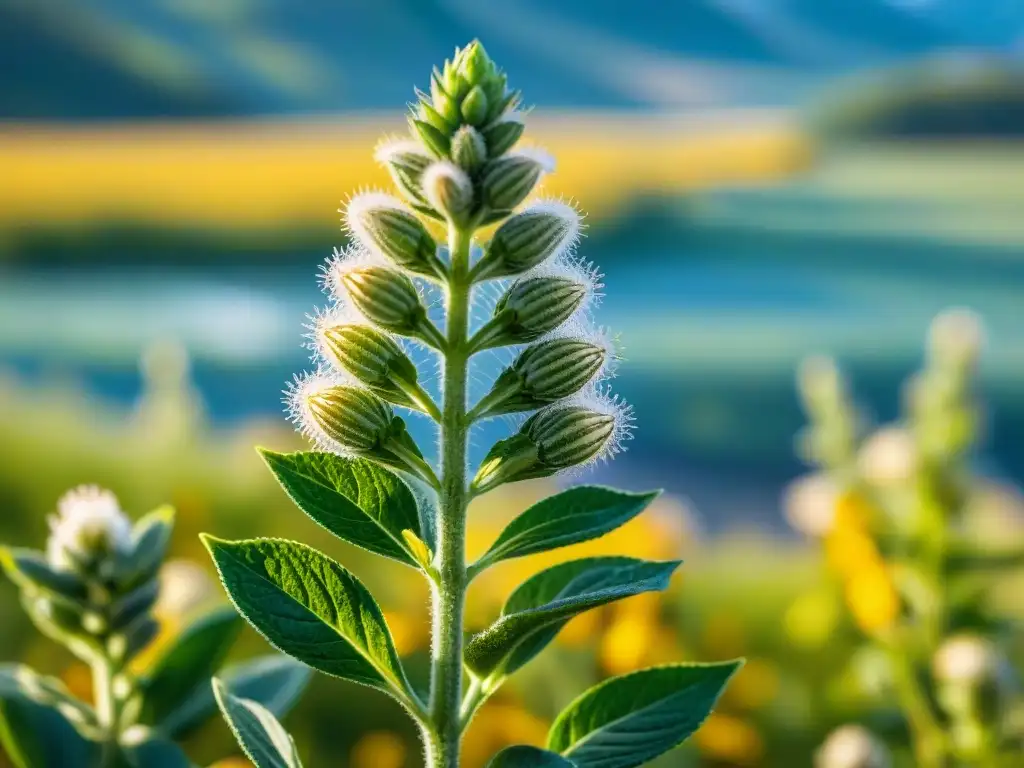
578, 514
188, 663
155, 753
522, 756
37, 718
355, 499
541, 606
151, 536
628, 720
263, 739
275, 682
311, 608
29, 570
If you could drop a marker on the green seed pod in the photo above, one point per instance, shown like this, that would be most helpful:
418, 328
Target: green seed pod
437, 142
406, 163
539, 305
354, 418
475, 65
508, 180
474, 106
380, 222
387, 298
541, 375
528, 239
502, 135
374, 358
469, 150
449, 190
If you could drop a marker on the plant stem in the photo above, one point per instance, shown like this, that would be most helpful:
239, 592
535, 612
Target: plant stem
927, 734
105, 705
449, 591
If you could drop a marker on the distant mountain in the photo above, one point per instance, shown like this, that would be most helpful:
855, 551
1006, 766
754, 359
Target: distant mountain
154, 58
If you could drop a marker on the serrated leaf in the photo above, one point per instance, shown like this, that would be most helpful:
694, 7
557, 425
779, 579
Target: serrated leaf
188, 663
275, 682
628, 720
356, 500
263, 739
36, 727
541, 606
311, 608
573, 516
522, 756
29, 570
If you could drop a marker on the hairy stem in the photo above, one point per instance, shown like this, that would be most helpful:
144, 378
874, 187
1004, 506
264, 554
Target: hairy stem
105, 705
450, 589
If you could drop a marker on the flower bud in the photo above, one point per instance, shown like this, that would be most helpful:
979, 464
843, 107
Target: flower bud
443, 102
352, 420
508, 180
469, 150
352, 417
387, 298
474, 106
501, 135
406, 163
852, 746
530, 309
436, 141
381, 222
374, 358
810, 504
449, 190
89, 528
567, 436
528, 239
541, 375
474, 64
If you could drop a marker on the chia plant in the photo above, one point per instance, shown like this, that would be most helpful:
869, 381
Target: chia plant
892, 506
93, 591
370, 484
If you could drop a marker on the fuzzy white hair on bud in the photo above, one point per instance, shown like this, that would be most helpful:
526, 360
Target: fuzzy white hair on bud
335, 314
389, 146
297, 405
540, 156
572, 221
357, 207
341, 262
89, 521
448, 188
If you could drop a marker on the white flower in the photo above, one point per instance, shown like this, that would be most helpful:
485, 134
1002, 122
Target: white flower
957, 336
889, 457
89, 523
965, 659
851, 746
810, 504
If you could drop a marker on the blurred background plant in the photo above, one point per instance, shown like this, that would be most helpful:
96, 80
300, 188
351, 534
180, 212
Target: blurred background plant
896, 510
172, 171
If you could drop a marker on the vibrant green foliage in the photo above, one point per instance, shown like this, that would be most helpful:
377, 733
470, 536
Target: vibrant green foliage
311, 608
259, 733
628, 720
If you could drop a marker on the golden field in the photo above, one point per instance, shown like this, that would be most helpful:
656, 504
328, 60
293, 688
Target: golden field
272, 174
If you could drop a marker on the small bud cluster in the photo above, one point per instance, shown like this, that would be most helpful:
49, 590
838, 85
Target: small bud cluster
460, 168
97, 586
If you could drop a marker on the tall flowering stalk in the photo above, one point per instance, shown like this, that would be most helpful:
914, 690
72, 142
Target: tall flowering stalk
369, 483
892, 507
94, 591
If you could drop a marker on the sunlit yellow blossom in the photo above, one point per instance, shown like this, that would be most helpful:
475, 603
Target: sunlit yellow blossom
379, 749
872, 599
730, 739
625, 644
